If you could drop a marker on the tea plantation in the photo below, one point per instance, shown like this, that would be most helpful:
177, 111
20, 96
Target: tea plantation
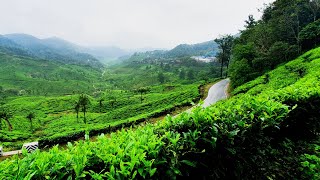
269, 129
55, 119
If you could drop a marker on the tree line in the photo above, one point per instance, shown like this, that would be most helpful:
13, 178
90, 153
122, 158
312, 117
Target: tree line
286, 30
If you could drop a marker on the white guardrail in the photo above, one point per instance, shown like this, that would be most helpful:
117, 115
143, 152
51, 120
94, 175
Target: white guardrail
31, 146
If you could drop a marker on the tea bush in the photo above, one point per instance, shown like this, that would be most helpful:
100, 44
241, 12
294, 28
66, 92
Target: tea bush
260, 134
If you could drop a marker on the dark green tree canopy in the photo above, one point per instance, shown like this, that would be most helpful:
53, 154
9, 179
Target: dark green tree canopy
287, 28
225, 44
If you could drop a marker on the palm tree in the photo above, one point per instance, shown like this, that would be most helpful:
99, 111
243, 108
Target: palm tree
6, 116
84, 102
30, 116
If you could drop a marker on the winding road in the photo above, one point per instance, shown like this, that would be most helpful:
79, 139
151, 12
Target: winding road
217, 92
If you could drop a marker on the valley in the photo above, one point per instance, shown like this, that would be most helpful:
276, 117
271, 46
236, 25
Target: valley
242, 105
39, 98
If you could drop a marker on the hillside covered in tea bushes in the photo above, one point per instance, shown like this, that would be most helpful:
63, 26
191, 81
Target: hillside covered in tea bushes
268, 129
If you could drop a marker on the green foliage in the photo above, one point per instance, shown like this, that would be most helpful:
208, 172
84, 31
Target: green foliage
84, 103
49, 88
30, 116
142, 90
161, 78
253, 137
149, 70
311, 163
52, 49
240, 72
182, 74
225, 44
57, 117
310, 35
25, 76
190, 74
286, 28
5, 115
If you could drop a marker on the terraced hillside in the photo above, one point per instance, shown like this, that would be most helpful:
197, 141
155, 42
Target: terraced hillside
22, 75
267, 130
55, 119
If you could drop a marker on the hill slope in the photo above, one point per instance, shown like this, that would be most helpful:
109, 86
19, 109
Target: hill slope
22, 75
50, 49
10, 47
209, 48
253, 137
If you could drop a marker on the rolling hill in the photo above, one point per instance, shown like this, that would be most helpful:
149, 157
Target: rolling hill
52, 49
10, 47
269, 128
208, 48
22, 75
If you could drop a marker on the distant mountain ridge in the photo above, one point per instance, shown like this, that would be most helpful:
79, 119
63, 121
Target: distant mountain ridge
10, 47
207, 49
53, 49
56, 49
113, 54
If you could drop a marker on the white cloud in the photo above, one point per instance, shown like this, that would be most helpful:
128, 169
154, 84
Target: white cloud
127, 23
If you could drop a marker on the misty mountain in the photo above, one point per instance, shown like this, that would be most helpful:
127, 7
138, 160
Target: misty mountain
106, 54
53, 49
113, 54
10, 47
207, 49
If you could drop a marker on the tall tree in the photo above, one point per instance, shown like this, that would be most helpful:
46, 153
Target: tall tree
161, 77
84, 102
225, 44
251, 22
281, 35
142, 90
30, 116
314, 5
310, 35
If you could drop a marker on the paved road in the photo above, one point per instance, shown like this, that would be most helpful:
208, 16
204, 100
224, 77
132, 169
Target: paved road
10, 153
216, 92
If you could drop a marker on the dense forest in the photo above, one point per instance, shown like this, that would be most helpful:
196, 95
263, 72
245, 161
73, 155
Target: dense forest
287, 28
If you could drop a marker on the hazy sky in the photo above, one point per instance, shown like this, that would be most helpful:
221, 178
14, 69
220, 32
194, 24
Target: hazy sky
127, 23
